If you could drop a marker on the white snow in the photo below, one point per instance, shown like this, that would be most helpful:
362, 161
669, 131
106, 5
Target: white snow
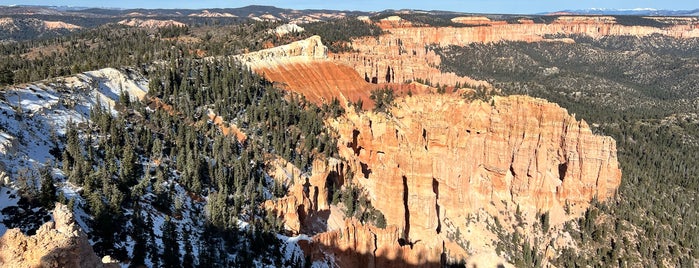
29, 114
33, 115
6, 201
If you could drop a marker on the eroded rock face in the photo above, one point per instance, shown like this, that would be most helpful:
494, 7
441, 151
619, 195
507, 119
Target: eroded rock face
436, 161
360, 245
306, 207
319, 81
401, 56
466, 154
310, 48
150, 23
439, 158
60, 243
303, 67
403, 47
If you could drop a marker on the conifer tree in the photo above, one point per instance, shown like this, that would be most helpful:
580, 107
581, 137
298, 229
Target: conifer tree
47, 194
171, 250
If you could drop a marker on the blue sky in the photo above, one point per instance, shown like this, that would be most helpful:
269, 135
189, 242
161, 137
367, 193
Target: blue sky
479, 6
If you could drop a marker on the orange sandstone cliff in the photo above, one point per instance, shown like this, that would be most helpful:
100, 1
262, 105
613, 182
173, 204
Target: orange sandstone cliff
445, 157
303, 67
440, 168
437, 161
403, 48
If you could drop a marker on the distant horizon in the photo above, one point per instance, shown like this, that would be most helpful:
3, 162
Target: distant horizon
467, 6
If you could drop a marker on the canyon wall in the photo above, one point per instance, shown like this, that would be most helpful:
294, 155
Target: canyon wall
439, 159
435, 160
457, 155
404, 47
306, 208
303, 67
435, 163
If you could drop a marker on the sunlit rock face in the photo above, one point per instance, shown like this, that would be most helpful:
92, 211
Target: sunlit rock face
60, 243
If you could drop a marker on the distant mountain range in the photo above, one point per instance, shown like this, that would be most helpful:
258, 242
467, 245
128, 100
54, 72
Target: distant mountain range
20, 22
257, 10
247, 11
631, 12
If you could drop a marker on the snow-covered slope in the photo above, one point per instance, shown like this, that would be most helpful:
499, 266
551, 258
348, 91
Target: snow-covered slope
34, 116
33, 121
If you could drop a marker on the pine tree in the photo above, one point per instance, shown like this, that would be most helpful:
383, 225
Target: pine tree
171, 250
153, 247
188, 260
130, 169
47, 194
139, 235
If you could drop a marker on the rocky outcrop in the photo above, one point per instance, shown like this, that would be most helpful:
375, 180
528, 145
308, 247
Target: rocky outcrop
209, 14
52, 25
360, 245
150, 23
307, 49
440, 158
530, 32
399, 57
436, 160
306, 208
11, 25
319, 81
303, 67
476, 21
8, 24
393, 22
403, 48
227, 128
59, 243
389, 59
288, 28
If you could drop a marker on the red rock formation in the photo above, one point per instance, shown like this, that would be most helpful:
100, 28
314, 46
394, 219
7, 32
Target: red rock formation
440, 158
403, 47
228, 128
587, 25
60, 243
303, 67
476, 21
308, 195
319, 81
407, 63
359, 245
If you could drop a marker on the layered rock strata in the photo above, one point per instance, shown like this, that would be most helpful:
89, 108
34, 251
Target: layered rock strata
440, 156
404, 48
303, 67
439, 159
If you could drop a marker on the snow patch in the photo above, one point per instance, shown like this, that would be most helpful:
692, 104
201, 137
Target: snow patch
8, 198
